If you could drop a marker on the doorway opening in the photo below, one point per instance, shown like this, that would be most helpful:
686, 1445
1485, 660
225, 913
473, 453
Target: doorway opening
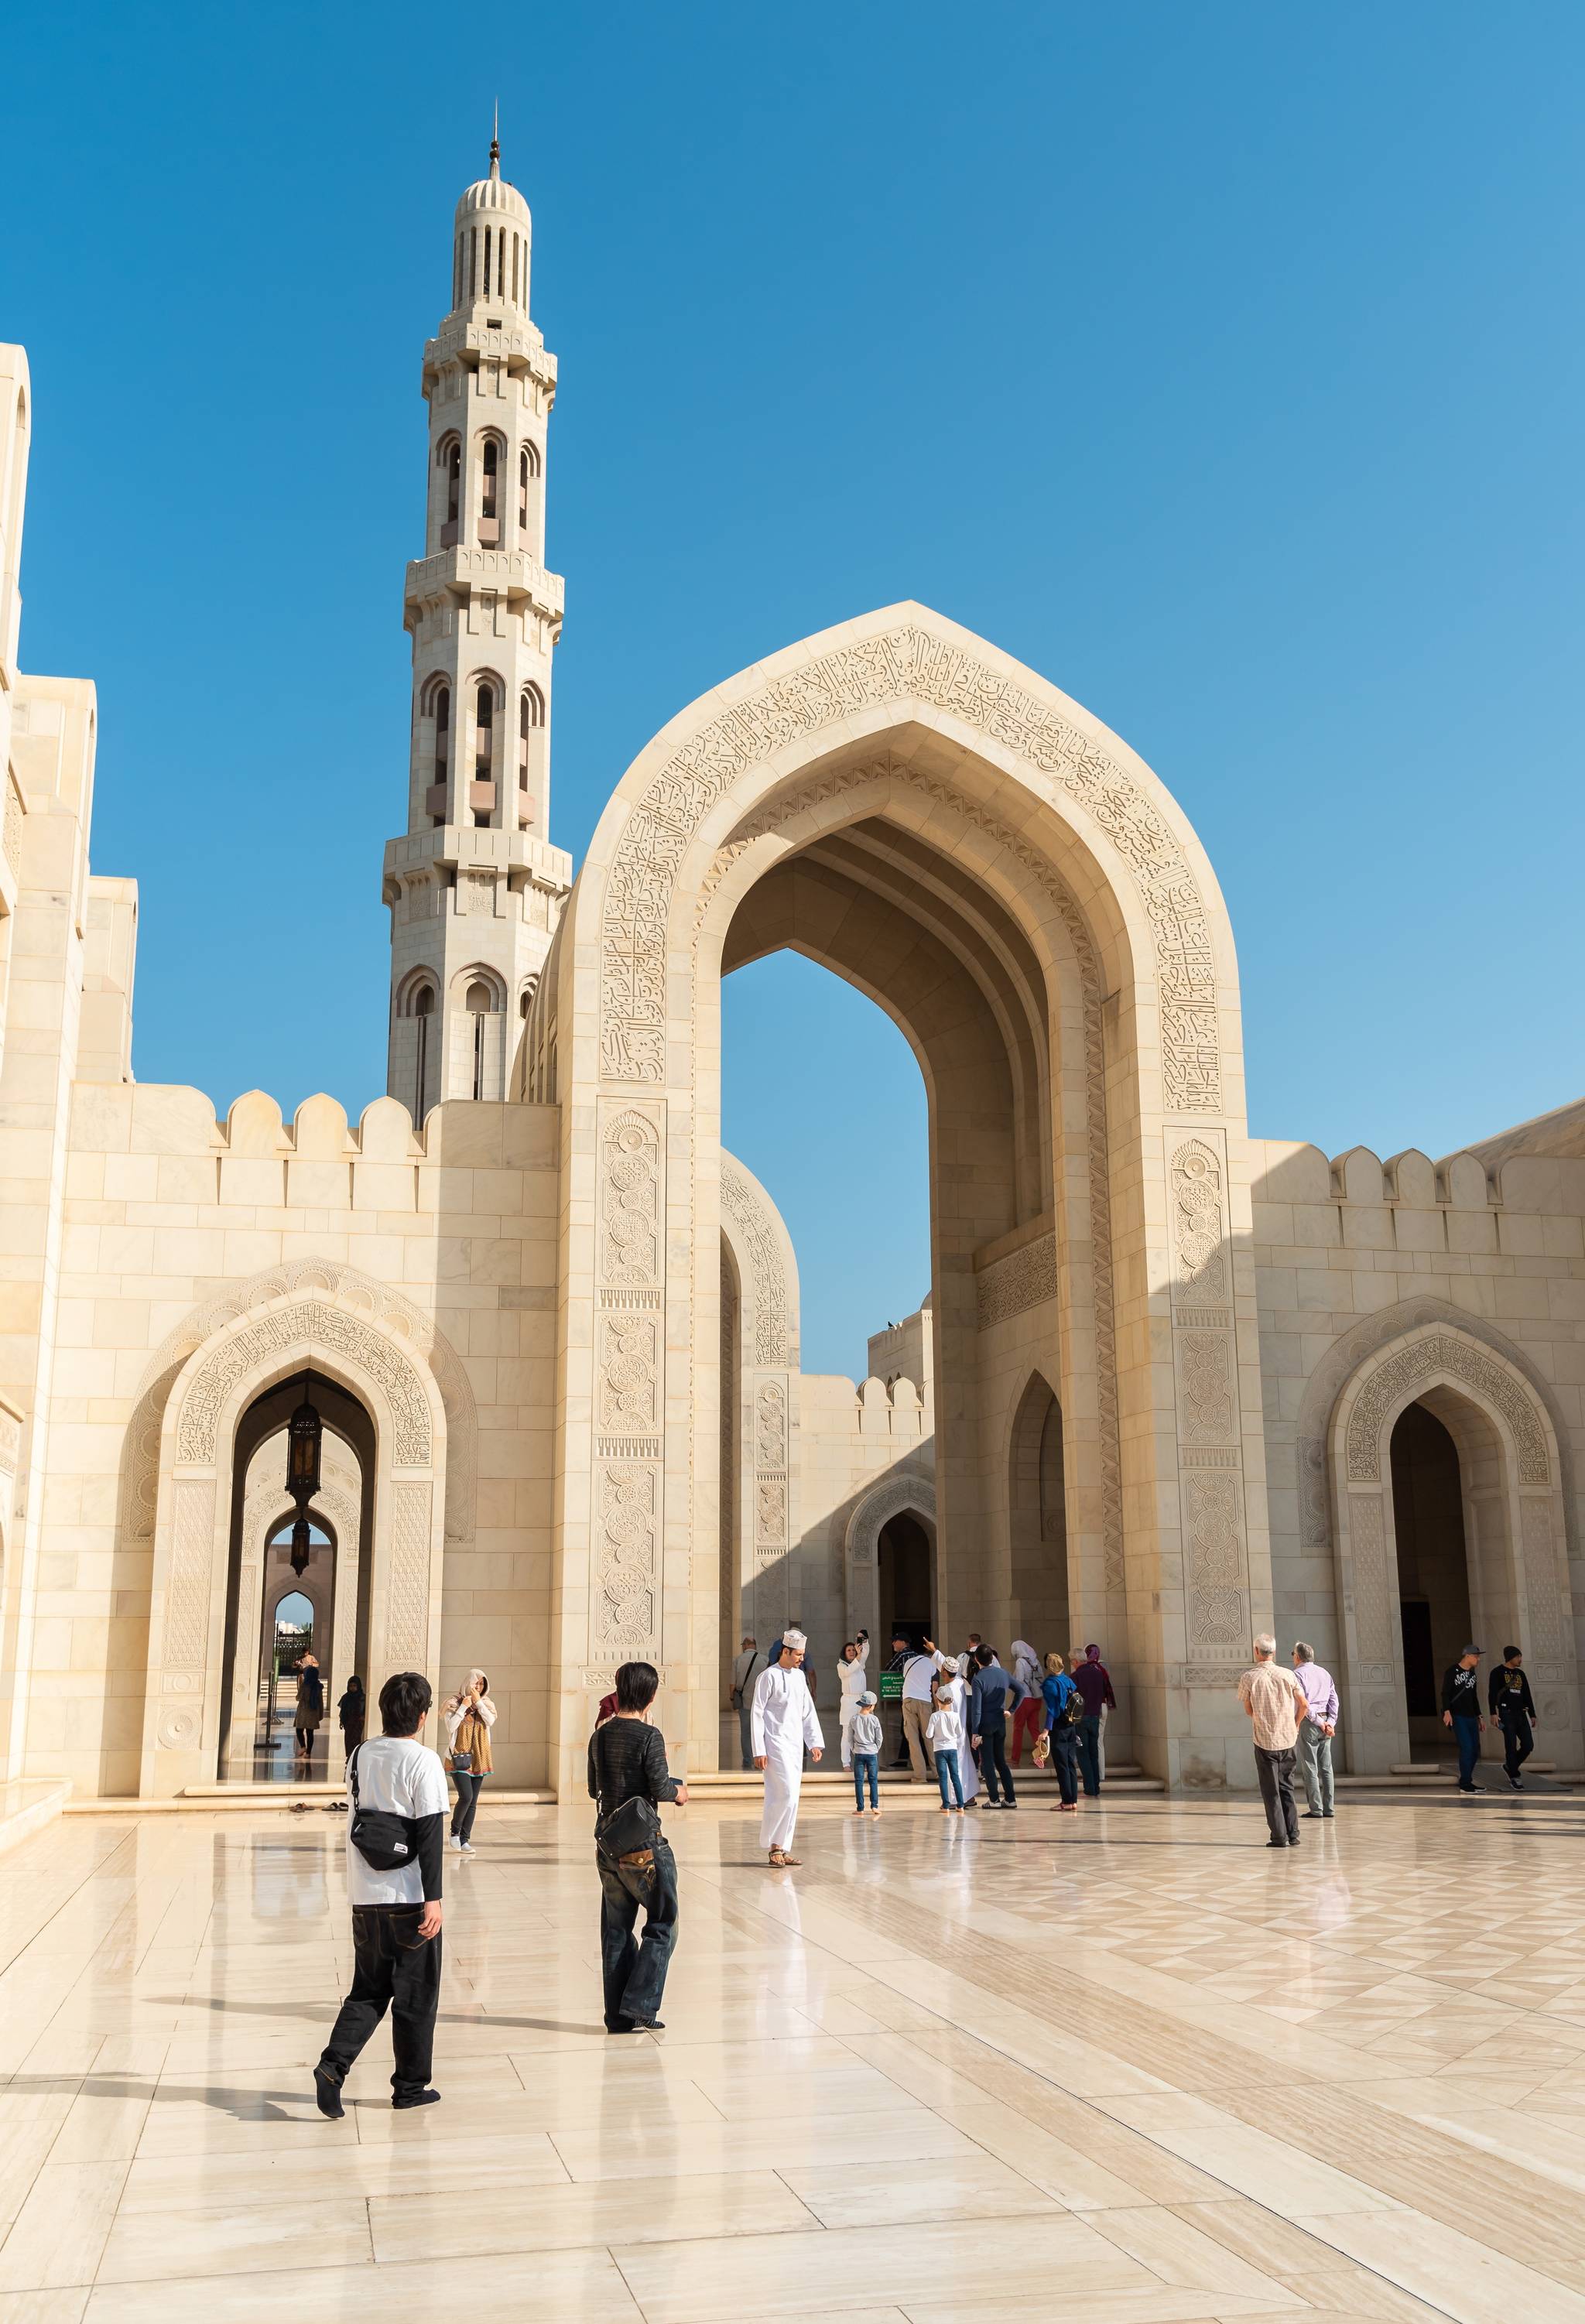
1434, 1567
905, 1558
267, 1572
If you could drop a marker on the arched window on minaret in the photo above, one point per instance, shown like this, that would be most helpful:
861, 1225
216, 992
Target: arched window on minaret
528, 471
490, 496
418, 1003
531, 717
482, 1001
449, 460
441, 778
483, 794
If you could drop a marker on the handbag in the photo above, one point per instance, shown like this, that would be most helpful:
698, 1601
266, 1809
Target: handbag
631, 1830
1042, 1748
383, 1841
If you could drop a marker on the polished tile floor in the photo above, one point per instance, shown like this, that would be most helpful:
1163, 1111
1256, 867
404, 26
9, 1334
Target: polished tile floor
1130, 2067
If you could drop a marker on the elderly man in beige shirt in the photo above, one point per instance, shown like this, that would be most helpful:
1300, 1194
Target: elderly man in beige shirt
1275, 1704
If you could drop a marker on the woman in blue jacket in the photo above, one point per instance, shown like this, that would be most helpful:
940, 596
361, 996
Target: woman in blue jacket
1060, 1692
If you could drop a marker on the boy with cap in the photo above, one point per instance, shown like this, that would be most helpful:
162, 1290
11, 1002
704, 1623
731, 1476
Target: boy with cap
866, 1737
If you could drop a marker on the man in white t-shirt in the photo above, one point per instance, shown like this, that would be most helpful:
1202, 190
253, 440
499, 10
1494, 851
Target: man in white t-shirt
395, 1914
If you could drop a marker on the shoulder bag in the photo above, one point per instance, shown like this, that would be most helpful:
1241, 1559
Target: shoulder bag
383, 1841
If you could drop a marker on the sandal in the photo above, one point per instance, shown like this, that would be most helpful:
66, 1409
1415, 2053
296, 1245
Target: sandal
781, 1859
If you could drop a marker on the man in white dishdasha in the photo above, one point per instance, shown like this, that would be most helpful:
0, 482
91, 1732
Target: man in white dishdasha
783, 1724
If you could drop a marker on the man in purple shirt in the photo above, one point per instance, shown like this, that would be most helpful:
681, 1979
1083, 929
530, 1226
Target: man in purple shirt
1316, 1730
1093, 1681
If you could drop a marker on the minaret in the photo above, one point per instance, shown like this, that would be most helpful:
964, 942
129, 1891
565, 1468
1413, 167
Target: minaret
475, 887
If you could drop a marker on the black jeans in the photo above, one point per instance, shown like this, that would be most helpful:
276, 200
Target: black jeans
1275, 1771
1064, 1762
1090, 1755
468, 1788
1517, 1740
394, 1969
993, 1760
635, 1973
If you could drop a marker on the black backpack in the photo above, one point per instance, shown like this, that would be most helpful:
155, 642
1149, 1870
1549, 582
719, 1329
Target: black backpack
383, 1841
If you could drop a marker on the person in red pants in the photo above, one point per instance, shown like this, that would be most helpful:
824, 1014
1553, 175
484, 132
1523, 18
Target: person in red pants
1030, 1715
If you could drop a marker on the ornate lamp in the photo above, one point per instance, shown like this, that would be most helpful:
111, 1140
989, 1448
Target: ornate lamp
304, 1432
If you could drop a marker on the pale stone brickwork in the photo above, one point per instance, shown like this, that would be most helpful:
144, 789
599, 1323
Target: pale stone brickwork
552, 1332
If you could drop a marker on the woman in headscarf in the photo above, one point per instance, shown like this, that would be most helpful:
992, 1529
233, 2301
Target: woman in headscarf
469, 1716
1030, 1715
853, 1678
352, 1711
310, 1704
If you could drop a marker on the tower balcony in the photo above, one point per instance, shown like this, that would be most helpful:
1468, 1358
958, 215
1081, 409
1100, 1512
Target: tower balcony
474, 848
460, 572
464, 338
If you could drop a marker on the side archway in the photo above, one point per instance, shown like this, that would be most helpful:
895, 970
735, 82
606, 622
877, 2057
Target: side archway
910, 1495
1515, 1527
197, 1486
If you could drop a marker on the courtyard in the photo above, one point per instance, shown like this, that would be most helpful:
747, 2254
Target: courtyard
1131, 2066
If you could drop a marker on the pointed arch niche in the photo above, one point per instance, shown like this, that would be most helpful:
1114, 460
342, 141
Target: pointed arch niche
1510, 1482
221, 1407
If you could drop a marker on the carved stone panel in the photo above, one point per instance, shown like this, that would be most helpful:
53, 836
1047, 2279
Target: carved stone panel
770, 1469
185, 1643
1448, 1353
1204, 1362
1022, 1280
768, 1288
1372, 1593
407, 1605
629, 1338
315, 1324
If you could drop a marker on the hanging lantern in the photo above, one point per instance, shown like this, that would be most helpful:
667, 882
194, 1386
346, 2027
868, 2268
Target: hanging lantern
299, 1546
303, 1435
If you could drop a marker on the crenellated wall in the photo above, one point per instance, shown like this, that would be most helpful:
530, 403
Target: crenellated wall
1469, 1281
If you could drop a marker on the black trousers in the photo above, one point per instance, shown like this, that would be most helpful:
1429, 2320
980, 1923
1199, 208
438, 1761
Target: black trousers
468, 1788
634, 1973
1275, 1771
394, 1969
994, 1766
1090, 1753
1064, 1762
1518, 1739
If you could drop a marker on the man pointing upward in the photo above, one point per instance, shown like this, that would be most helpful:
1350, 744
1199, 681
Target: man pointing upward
783, 1723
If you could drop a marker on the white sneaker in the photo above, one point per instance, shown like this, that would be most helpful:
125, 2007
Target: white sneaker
455, 1846
466, 1847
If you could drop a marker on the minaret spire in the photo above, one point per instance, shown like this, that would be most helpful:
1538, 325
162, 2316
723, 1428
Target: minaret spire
475, 886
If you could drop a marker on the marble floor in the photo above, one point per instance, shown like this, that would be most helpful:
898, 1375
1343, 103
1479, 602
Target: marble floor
1128, 2067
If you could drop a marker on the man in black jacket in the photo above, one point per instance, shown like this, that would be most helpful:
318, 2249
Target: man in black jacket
627, 1762
1461, 1710
1513, 1706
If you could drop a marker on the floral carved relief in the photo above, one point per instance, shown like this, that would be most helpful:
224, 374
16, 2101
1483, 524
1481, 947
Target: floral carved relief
407, 1610
628, 1553
185, 1644
1019, 1281
314, 1323
1209, 1456
743, 1206
629, 1371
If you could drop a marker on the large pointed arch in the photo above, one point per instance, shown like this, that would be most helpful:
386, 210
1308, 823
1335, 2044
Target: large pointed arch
942, 828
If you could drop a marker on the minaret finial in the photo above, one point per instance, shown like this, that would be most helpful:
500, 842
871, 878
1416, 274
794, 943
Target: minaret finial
495, 142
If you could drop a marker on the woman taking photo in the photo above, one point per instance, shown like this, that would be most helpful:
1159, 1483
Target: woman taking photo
469, 1716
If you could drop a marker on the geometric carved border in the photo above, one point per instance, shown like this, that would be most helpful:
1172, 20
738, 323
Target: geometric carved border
317, 1324
1439, 1352
902, 666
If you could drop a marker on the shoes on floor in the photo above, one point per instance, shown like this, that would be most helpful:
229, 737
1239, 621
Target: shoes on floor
1472, 1787
1312, 1815
468, 1848
1328, 1815
419, 2098
649, 2025
327, 2096
1277, 1843
1516, 1783
454, 1846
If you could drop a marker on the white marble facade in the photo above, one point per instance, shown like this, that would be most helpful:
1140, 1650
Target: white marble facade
1157, 1394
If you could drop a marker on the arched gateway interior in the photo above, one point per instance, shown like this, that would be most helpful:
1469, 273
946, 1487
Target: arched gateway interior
1173, 1383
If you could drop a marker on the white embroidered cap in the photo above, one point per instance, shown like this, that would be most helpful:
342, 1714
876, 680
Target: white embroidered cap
795, 1639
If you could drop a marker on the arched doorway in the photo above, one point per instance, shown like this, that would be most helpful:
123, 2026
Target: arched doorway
234, 1393
967, 847
1451, 1528
1038, 1521
905, 1557
1433, 1577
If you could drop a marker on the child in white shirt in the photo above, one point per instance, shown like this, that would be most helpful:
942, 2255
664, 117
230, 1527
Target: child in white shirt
946, 1733
865, 1737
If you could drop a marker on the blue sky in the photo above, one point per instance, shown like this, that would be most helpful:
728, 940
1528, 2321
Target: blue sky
1223, 362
